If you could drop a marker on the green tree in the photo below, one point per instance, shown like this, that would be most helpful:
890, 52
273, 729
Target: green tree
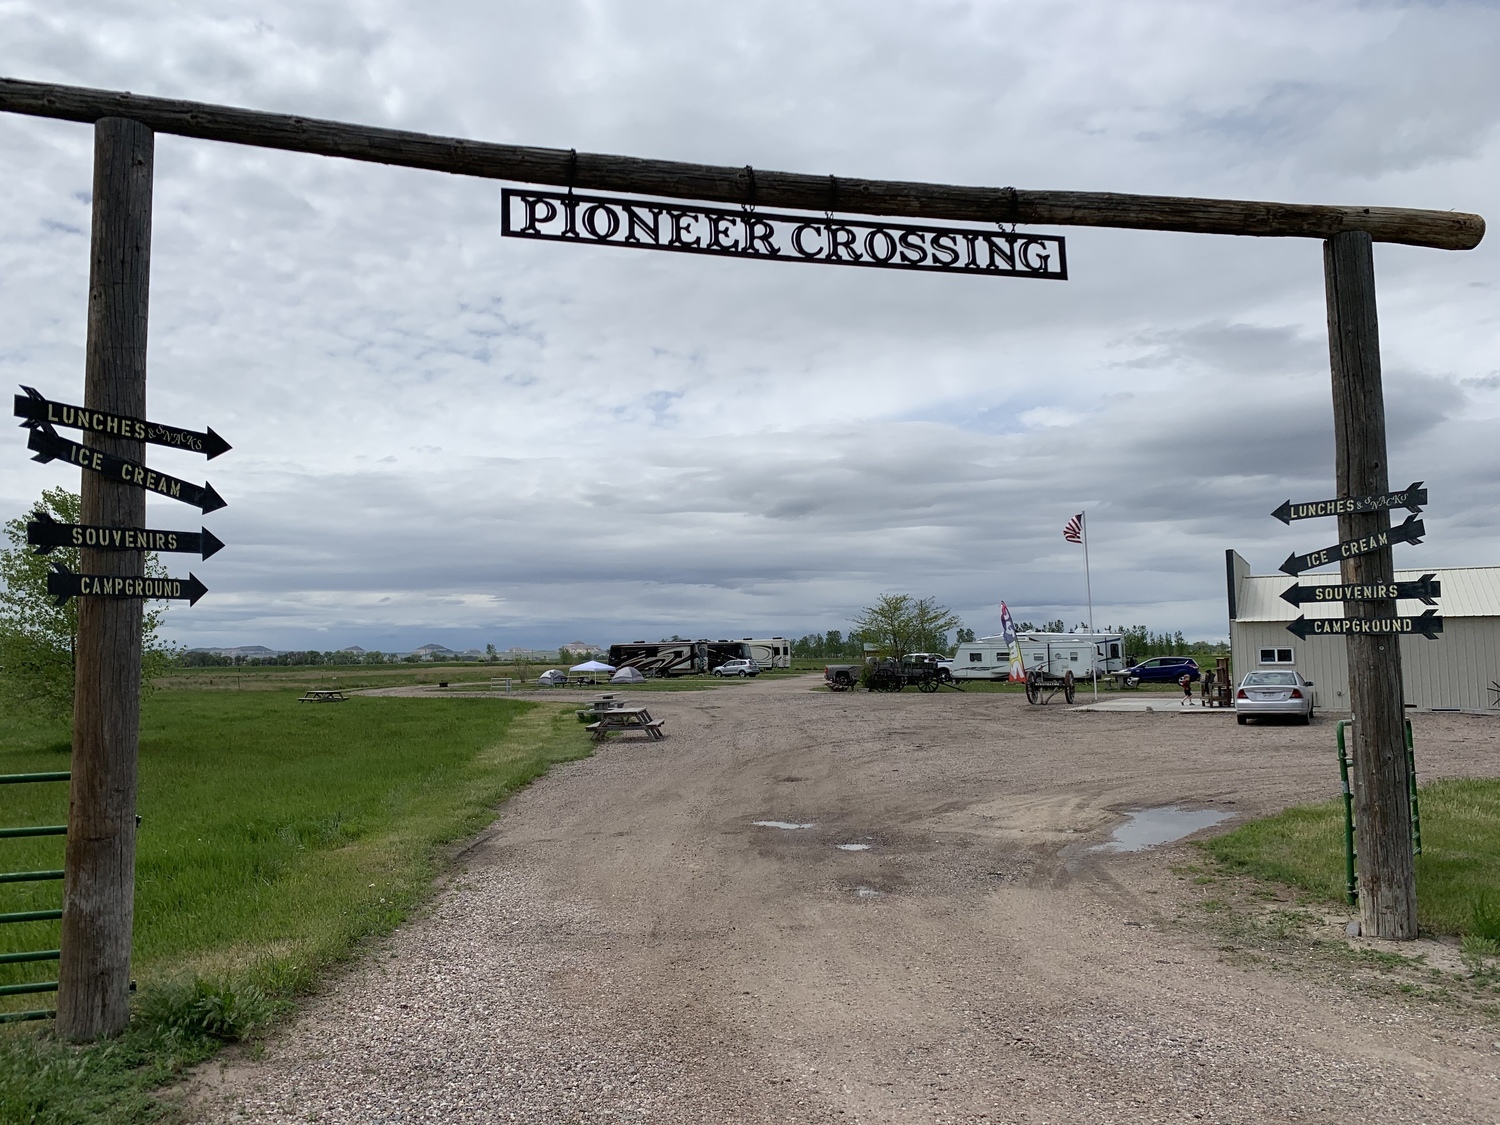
37, 638
964, 637
900, 623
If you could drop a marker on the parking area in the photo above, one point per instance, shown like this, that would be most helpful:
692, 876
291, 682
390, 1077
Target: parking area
803, 906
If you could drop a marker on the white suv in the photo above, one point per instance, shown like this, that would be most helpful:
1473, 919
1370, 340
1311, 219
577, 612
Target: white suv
738, 668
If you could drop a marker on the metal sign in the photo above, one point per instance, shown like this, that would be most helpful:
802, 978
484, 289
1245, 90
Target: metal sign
46, 535
1411, 498
1411, 531
40, 411
63, 584
1428, 625
1423, 589
47, 446
748, 233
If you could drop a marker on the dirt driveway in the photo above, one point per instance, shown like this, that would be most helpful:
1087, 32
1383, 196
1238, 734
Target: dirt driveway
627, 944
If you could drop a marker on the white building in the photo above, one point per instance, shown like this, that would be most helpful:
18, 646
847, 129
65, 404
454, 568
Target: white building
1459, 671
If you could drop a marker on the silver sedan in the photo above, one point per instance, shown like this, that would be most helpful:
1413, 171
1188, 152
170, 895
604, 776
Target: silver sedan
1274, 693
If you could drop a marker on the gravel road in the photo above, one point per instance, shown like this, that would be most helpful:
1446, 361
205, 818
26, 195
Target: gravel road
625, 944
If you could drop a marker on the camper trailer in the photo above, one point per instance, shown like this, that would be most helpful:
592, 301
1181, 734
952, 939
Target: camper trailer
770, 652
1083, 654
676, 658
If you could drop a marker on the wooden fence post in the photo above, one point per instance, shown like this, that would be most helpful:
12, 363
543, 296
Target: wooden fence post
93, 995
1387, 878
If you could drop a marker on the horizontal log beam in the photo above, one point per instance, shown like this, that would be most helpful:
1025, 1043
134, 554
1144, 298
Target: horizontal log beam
1443, 230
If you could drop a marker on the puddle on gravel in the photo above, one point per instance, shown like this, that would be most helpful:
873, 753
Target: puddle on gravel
866, 892
853, 847
786, 824
1147, 828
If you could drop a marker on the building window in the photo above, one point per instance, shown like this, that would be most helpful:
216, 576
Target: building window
975, 657
1276, 656
1114, 651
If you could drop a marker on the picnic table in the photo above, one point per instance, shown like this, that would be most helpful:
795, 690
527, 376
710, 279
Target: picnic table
323, 695
617, 717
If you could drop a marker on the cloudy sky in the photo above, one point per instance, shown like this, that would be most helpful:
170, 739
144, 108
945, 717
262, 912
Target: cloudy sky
445, 436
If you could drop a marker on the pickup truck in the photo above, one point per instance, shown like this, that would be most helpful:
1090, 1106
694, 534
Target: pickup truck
919, 668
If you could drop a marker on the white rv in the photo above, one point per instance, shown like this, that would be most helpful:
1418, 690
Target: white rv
770, 652
1083, 654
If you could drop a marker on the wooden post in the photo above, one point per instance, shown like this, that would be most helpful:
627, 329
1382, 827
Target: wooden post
93, 992
1387, 878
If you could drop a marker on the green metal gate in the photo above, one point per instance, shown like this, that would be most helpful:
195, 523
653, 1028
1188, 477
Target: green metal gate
19, 916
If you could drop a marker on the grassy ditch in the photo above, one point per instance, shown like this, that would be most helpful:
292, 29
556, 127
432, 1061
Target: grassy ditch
1458, 872
275, 838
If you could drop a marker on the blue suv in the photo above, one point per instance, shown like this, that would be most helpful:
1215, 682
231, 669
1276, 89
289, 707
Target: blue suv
1162, 670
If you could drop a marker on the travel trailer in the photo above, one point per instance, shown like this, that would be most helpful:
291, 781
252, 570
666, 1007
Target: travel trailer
770, 652
676, 658
1083, 654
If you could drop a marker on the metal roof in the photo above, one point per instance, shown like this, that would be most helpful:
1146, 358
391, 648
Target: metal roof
1468, 591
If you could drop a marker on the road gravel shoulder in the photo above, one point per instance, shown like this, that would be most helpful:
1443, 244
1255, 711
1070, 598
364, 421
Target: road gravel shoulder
938, 943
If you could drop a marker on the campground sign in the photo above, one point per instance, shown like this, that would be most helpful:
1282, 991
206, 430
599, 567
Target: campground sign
748, 233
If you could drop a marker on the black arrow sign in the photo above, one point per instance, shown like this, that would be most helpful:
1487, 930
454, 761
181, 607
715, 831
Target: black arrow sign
1411, 498
48, 446
63, 584
1409, 531
46, 535
1429, 625
40, 411
1424, 589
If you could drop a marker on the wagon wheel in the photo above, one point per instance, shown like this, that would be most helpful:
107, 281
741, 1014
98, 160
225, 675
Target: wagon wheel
1033, 688
885, 681
1068, 686
928, 684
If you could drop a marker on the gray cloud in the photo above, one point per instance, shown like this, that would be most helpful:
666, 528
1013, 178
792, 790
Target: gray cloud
443, 435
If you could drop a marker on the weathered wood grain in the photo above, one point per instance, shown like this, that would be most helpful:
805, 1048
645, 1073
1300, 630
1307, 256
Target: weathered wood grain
1387, 879
93, 997
1445, 230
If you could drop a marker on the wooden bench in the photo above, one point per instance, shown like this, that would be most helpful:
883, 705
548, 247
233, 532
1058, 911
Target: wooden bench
321, 695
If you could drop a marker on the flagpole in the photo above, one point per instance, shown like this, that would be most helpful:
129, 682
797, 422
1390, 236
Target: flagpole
1089, 593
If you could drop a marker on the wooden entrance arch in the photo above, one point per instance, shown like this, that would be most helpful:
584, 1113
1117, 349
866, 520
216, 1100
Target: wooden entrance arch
98, 887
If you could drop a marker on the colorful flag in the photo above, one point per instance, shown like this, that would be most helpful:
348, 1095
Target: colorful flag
1074, 529
1008, 630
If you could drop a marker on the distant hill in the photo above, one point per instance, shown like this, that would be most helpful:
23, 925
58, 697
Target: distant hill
246, 651
433, 650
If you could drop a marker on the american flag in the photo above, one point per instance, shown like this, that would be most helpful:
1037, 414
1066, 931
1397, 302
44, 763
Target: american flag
1074, 529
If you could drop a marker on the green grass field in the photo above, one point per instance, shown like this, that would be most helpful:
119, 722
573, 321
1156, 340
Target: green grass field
275, 838
1458, 872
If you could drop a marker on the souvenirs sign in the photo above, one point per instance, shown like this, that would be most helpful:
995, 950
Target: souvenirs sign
40, 411
1410, 531
63, 584
1411, 498
1423, 589
748, 233
46, 534
48, 446
1428, 625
